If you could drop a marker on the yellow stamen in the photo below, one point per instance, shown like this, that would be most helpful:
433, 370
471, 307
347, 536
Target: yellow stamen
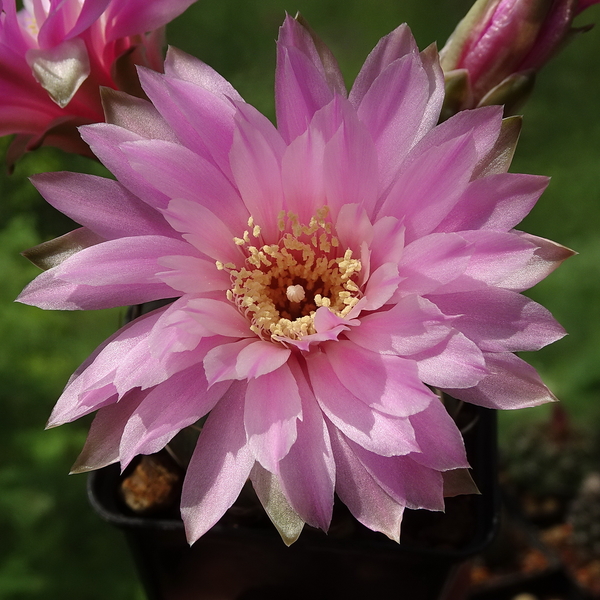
281, 286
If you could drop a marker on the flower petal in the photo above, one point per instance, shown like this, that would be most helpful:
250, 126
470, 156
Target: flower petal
381, 433
455, 362
307, 472
547, 257
410, 326
256, 157
497, 202
365, 498
169, 407
272, 408
512, 384
282, 515
499, 320
406, 481
219, 466
442, 446
244, 360
102, 444
386, 383
102, 205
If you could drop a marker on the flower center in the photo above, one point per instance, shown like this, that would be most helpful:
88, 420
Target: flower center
281, 286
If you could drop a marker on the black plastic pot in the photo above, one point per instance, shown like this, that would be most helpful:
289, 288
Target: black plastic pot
241, 560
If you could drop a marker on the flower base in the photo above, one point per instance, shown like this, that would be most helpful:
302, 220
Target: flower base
243, 558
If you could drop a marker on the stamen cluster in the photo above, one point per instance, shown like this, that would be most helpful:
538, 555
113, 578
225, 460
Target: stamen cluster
281, 286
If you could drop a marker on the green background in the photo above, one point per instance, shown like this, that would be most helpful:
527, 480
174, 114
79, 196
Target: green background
51, 544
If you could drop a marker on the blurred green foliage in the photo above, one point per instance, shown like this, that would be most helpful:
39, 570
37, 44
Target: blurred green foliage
52, 545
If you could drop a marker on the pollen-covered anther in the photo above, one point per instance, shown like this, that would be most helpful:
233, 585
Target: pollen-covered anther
281, 286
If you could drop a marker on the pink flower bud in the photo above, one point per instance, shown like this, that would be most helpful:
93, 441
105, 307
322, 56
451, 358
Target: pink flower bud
494, 52
54, 56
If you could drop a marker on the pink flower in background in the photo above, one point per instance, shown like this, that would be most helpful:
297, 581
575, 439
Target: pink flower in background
54, 55
500, 45
327, 275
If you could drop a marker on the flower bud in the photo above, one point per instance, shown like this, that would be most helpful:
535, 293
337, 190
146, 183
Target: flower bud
495, 51
55, 56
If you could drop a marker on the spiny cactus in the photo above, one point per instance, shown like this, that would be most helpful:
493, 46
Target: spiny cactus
584, 517
545, 463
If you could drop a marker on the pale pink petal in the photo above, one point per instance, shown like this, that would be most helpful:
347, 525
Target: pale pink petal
381, 286
326, 321
105, 141
454, 362
300, 91
495, 257
304, 189
125, 261
392, 111
295, 34
204, 230
192, 275
306, 78
412, 325
136, 115
97, 372
388, 241
386, 383
159, 90
203, 119
547, 256
499, 320
353, 227
219, 467
54, 289
148, 364
429, 186
405, 480
365, 498
102, 205
261, 358
219, 317
180, 173
497, 202
176, 330
220, 363
104, 437
431, 262
169, 407
483, 126
305, 342
308, 472
350, 161
184, 66
244, 359
256, 157
271, 412
391, 47
512, 384
383, 434
441, 443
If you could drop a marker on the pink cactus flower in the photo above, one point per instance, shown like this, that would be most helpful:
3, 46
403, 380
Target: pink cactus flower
501, 44
54, 55
328, 273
